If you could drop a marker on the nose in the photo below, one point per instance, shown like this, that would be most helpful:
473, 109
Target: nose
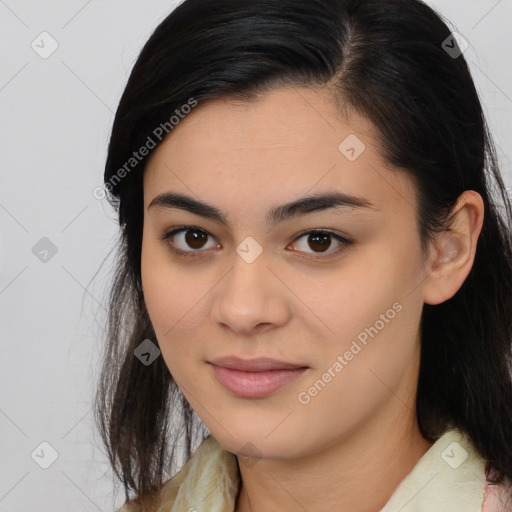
250, 298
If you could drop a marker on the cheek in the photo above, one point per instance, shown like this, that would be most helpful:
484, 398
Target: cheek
351, 296
175, 301
368, 313
169, 289
165, 308
159, 287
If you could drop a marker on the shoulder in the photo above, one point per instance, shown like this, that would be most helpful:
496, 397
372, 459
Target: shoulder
449, 477
209, 478
497, 497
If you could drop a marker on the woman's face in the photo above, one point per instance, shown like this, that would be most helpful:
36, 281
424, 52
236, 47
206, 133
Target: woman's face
251, 284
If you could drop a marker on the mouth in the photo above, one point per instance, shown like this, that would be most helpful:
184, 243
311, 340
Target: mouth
255, 378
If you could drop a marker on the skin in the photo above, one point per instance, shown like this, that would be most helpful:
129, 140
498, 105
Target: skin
360, 431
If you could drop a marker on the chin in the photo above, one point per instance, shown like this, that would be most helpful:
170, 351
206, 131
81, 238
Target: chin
256, 443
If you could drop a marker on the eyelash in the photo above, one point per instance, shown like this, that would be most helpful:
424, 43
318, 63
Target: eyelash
197, 253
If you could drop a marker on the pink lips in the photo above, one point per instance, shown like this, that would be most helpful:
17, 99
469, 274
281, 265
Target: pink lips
254, 378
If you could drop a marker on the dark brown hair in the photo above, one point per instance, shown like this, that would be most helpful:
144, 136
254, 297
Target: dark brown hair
386, 59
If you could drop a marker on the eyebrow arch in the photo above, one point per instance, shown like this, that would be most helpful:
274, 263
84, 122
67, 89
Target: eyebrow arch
300, 207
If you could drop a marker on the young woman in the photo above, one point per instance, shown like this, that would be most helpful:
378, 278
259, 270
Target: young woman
314, 288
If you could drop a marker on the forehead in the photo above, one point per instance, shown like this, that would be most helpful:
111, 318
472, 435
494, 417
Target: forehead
291, 119
283, 145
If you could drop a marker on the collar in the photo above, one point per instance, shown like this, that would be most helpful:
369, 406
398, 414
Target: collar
448, 477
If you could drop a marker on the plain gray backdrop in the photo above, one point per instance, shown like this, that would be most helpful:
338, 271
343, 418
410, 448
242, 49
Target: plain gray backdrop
64, 65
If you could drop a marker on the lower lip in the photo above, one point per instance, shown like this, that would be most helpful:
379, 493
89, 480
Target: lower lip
255, 384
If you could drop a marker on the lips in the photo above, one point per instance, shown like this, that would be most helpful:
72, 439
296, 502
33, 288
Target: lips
254, 378
254, 365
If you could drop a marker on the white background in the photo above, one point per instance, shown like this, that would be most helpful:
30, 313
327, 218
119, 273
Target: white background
56, 115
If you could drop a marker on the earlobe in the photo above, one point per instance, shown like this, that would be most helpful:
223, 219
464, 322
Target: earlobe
452, 253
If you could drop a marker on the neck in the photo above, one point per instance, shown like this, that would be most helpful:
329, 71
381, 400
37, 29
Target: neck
359, 472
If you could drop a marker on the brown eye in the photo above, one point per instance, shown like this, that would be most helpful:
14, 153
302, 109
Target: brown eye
319, 242
188, 240
192, 241
195, 239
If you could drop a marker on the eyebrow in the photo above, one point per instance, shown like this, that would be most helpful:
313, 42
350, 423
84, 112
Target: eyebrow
297, 208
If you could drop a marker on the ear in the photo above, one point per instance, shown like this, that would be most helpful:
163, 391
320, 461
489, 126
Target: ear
452, 253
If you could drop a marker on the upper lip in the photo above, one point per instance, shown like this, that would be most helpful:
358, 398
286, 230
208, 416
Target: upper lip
253, 365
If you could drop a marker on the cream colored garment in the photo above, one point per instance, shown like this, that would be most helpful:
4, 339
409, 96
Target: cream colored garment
450, 477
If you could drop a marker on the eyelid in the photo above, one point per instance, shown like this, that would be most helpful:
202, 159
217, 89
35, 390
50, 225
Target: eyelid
345, 242
312, 256
177, 229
